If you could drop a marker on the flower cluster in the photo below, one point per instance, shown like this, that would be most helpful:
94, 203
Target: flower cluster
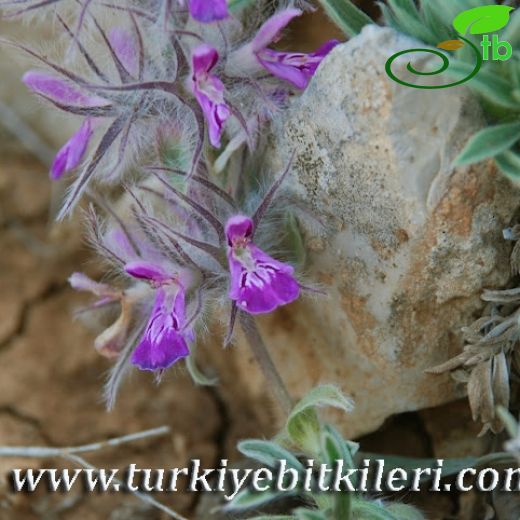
172, 100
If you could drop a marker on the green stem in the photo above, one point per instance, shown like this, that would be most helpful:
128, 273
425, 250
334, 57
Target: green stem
267, 366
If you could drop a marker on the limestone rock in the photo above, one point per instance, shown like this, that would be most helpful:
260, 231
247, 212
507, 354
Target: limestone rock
409, 242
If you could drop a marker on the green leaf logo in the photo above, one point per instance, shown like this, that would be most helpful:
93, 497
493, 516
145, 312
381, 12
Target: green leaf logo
481, 20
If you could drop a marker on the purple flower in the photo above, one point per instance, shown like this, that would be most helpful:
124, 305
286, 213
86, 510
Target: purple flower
209, 91
72, 152
60, 91
207, 11
259, 283
125, 48
295, 67
165, 339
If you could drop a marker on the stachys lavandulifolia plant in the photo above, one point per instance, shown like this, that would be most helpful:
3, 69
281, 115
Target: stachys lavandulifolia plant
172, 98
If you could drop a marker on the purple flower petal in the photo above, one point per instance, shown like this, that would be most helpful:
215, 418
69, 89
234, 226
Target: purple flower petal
160, 355
276, 63
125, 47
207, 11
325, 49
259, 283
163, 343
72, 152
147, 271
60, 91
295, 67
216, 115
209, 92
271, 29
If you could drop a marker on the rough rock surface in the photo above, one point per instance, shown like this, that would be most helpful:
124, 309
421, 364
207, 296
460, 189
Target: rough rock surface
409, 242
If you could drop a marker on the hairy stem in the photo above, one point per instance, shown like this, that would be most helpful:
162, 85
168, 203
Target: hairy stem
267, 366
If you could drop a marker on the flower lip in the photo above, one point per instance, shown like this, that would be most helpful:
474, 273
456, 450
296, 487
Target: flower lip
295, 67
164, 342
208, 89
237, 228
259, 283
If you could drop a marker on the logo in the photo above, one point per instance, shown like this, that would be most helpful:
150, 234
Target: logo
479, 21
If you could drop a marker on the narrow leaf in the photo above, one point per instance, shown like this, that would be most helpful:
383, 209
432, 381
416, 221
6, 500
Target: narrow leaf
336, 448
489, 142
320, 396
403, 16
509, 164
268, 453
303, 426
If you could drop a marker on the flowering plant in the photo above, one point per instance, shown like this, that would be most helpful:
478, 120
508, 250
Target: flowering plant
172, 101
